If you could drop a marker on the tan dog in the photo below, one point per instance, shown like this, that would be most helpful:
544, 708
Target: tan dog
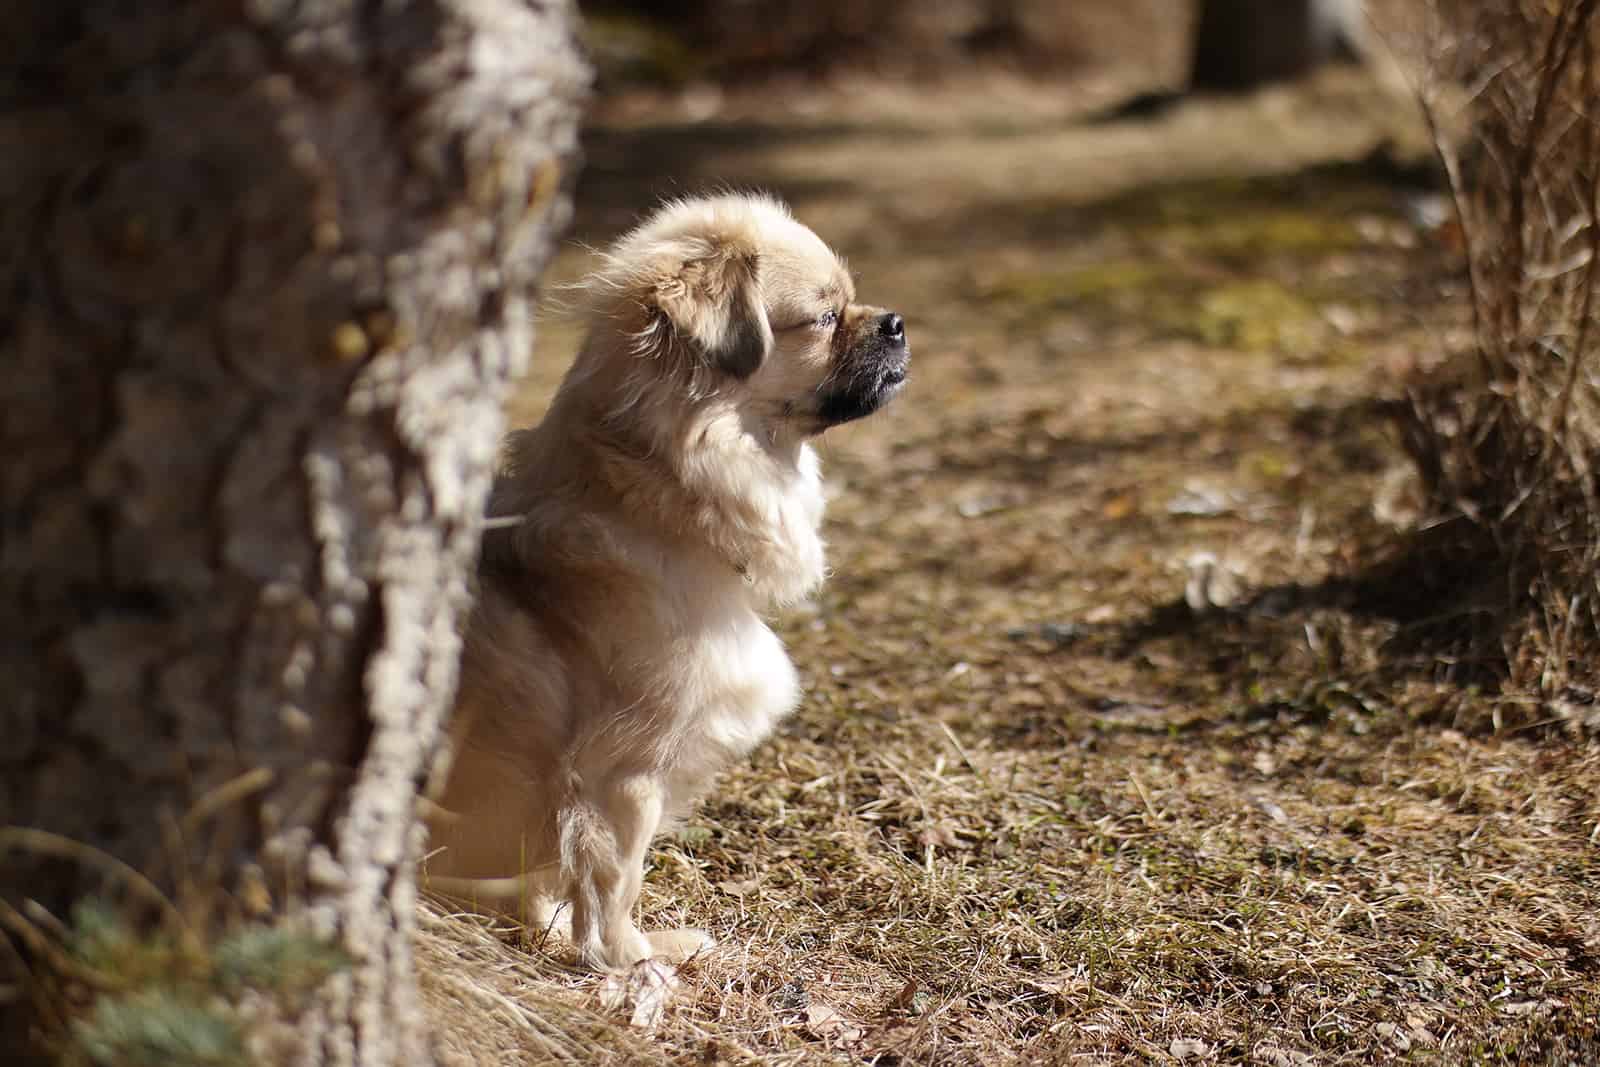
617, 658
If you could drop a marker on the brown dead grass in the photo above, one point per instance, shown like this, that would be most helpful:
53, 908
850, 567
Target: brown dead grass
497, 999
1505, 430
1035, 806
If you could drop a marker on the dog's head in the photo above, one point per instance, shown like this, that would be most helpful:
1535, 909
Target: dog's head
732, 297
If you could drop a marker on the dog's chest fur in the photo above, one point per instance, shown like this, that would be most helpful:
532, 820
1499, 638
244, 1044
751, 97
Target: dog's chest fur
655, 655
704, 630
735, 680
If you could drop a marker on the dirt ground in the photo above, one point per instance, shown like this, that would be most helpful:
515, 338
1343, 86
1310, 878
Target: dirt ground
1121, 738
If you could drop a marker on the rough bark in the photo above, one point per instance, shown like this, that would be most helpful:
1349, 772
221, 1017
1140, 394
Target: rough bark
1240, 44
265, 269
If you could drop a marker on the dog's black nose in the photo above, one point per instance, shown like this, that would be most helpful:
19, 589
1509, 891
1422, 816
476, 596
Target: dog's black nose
892, 326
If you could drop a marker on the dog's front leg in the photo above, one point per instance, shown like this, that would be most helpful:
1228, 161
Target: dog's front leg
610, 870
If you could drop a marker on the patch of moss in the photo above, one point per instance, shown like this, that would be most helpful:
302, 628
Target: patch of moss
163, 1001
1251, 315
1102, 285
282, 960
1216, 261
1301, 211
1255, 316
159, 1028
106, 944
1266, 233
1240, 222
1270, 466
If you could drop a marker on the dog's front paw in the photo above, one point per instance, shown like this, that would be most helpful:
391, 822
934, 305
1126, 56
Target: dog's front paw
675, 946
618, 952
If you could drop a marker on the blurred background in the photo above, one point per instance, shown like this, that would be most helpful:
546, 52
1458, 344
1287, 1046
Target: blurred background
740, 70
740, 40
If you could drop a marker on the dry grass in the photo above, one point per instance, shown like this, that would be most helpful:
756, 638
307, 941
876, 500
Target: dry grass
1057, 792
498, 1000
1505, 431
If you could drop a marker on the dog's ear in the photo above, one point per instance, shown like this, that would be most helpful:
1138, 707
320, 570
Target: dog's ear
714, 304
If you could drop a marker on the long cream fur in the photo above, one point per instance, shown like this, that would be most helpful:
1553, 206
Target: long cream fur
617, 657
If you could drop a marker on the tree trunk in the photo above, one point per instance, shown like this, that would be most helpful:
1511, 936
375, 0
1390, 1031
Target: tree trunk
265, 274
1240, 44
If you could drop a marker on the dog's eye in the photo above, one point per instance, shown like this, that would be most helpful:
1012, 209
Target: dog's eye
821, 322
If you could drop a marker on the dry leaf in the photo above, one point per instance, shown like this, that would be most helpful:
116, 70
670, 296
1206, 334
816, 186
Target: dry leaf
1202, 499
1393, 1034
976, 507
1118, 507
1270, 809
906, 999
644, 992
825, 1022
1212, 583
